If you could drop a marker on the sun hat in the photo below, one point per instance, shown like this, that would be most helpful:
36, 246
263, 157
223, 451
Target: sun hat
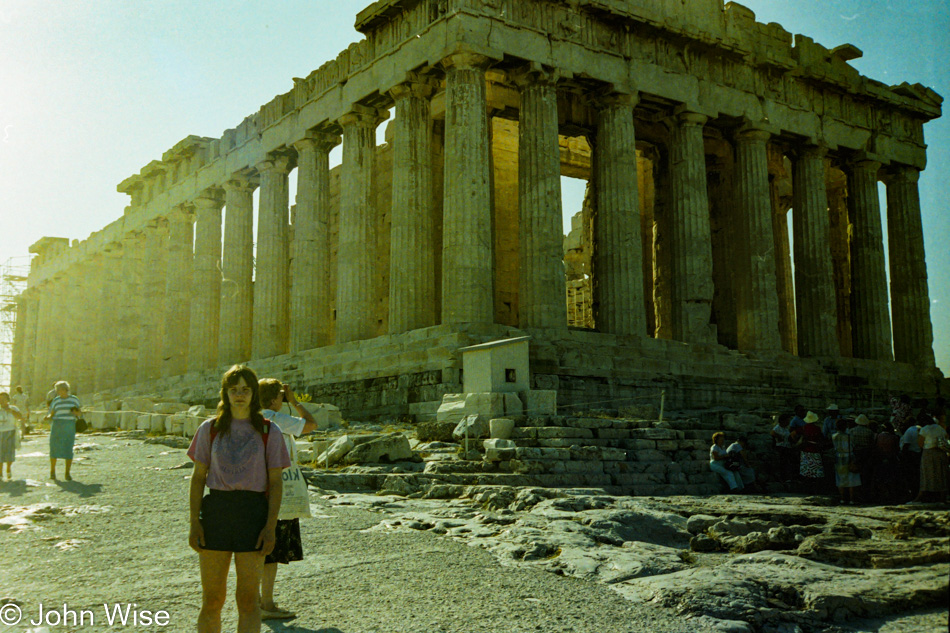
862, 420
832, 407
811, 417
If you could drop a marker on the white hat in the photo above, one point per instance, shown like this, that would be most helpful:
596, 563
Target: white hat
832, 407
862, 420
811, 417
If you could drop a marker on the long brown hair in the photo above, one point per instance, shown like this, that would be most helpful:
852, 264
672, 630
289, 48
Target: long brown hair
231, 377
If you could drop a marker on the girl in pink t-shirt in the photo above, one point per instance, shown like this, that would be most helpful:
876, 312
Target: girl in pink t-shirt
242, 469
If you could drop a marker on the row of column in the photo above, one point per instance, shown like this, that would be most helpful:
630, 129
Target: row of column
176, 302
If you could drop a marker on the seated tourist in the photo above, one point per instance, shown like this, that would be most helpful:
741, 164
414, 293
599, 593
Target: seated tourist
718, 460
739, 452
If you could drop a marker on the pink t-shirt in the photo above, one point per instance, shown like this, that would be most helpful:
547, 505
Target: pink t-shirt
236, 461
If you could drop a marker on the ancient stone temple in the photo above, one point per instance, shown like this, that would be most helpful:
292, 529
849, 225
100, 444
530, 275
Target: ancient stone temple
697, 129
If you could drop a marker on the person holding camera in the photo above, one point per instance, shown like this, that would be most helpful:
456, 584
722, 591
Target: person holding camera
288, 546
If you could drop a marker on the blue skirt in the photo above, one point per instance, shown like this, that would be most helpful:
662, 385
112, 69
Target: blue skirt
62, 436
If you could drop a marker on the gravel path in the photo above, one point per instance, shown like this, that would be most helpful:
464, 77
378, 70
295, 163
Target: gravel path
117, 535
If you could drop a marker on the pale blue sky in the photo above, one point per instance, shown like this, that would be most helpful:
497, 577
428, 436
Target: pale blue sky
92, 91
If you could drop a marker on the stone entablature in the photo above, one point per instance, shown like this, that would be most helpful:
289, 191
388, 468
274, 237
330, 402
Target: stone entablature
807, 90
697, 131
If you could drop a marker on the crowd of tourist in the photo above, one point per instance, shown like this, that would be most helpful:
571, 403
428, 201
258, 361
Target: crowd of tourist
900, 459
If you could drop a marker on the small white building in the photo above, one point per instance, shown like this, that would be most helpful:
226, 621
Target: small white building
496, 367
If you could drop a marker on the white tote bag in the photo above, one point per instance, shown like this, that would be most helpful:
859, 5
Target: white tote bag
295, 502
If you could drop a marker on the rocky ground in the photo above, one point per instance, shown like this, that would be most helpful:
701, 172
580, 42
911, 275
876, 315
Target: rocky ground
471, 559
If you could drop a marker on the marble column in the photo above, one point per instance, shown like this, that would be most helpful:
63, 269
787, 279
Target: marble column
57, 328
152, 325
814, 278
910, 297
412, 302
18, 360
356, 254
870, 318
310, 301
237, 270
206, 281
467, 280
28, 372
87, 334
758, 293
616, 261
107, 354
130, 309
178, 291
690, 242
271, 335
41, 380
74, 342
542, 292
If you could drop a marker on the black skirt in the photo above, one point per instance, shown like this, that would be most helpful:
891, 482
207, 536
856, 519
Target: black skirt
233, 519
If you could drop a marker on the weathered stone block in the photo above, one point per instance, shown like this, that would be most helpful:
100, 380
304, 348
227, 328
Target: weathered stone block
168, 408
560, 431
639, 411
435, 431
523, 433
137, 404
333, 455
497, 449
473, 426
157, 423
640, 444
649, 456
613, 454
127, 420
501, 427
525, 453
513, 405
324, 414
454, 407
392, 447
107, 405
539, 402
653, 434
527, 467
200, 411
144, 422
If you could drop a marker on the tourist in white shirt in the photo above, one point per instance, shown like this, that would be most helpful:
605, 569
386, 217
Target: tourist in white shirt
781, 441
21, 401
8, 420
932, 440
910, 460
288, 547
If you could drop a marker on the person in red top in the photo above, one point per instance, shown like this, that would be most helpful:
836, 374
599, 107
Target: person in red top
242, 469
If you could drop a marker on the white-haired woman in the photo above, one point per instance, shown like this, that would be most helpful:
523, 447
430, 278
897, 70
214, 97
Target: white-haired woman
63, 411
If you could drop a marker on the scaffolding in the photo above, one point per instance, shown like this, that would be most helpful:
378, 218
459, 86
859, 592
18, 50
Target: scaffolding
13, 276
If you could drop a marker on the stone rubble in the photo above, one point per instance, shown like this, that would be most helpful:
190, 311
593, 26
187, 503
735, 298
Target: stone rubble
762, 575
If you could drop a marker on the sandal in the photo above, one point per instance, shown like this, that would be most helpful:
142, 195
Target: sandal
277, 614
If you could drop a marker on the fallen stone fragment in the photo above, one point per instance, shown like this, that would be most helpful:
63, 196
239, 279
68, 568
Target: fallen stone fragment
392, 447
